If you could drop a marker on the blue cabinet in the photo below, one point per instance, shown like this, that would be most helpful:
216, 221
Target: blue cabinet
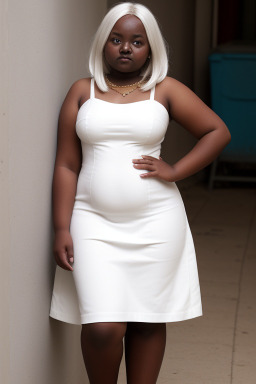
233, 94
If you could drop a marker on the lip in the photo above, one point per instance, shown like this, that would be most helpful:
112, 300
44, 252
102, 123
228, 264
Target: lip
124, 58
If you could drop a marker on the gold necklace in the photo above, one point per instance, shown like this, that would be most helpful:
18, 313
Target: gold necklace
125, 89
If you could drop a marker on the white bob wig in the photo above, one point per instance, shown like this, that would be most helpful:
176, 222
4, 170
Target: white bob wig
157, 67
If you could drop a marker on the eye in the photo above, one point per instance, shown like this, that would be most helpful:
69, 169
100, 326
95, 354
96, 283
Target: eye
115, 40
137, 42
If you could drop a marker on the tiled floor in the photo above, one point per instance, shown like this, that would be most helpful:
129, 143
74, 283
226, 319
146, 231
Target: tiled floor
220, 347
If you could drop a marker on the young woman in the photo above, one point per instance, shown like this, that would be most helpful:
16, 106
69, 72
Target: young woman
125, 255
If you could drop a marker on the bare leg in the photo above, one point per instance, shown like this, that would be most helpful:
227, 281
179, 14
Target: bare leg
144, 351
102, 348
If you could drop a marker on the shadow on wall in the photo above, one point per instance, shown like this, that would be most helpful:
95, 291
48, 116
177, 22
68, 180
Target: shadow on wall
64, 341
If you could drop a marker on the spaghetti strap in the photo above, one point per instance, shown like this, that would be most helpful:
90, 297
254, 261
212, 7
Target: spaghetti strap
92, 93
152, 93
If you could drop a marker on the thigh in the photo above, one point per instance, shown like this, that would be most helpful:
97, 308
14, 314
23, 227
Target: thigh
144, 328
104, 332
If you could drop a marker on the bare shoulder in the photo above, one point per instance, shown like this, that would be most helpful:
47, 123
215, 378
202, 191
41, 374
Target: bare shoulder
80, 89
171, 86
180, 97
81, 83
169, 90
187, 109
71, 104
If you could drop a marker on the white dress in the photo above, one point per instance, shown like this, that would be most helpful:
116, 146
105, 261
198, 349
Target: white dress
134, 257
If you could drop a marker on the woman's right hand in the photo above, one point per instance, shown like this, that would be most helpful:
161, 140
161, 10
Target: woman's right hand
63, 249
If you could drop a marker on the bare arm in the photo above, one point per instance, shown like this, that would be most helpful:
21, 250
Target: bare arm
189, 111
66, 171
212, 134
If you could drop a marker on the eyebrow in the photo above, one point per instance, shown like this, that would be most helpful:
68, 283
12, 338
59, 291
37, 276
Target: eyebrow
119, 34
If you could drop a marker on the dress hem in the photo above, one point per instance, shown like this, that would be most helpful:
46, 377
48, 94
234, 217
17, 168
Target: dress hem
129, 316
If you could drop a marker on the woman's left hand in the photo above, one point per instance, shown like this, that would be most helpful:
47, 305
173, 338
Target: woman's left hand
156, 167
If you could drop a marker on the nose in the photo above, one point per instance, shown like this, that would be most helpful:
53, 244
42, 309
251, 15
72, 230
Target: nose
125, 47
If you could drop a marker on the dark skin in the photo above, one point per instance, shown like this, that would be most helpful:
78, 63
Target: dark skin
126, 52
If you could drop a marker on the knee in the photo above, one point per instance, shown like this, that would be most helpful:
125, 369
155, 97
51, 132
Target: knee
103, 334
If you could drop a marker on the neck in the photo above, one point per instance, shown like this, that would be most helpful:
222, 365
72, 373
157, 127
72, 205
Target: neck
121, 78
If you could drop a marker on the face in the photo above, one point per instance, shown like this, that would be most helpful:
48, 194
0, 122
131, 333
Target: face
127, 47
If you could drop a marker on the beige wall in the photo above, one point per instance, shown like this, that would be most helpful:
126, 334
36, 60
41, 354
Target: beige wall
4, 193
44, 49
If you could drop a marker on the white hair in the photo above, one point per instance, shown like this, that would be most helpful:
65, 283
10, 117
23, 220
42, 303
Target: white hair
157, 68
